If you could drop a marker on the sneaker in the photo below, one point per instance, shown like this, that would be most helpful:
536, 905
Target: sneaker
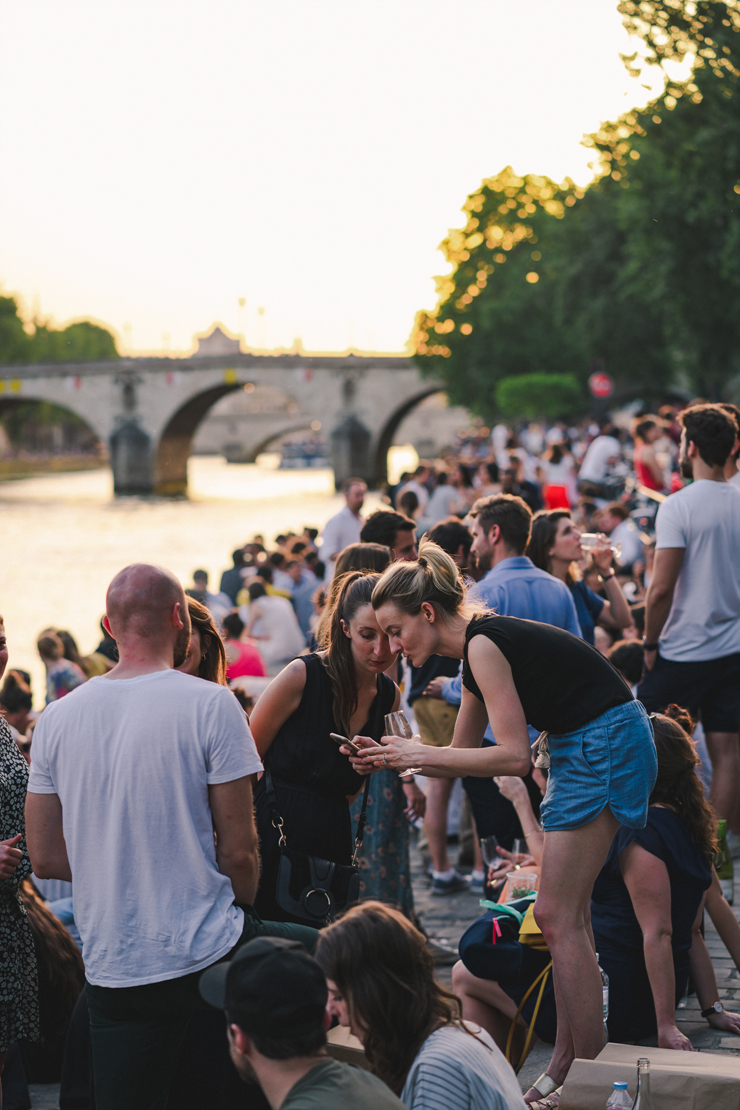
455, 885
477, 885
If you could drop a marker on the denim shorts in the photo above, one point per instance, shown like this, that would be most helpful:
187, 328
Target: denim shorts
611, 761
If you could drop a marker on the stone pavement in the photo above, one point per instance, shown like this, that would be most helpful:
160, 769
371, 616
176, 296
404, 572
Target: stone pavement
446, 919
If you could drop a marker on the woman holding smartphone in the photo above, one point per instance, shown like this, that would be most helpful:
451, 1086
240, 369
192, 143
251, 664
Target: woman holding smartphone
601, 751
341, 689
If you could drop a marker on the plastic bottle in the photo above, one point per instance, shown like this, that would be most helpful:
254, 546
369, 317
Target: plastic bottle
619, 1099
723, 863
604, 995
643, 1100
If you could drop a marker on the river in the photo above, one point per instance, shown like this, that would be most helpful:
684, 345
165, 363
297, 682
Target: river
65, 536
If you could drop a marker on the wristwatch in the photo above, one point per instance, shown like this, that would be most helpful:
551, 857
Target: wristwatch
715, 1008
649, 647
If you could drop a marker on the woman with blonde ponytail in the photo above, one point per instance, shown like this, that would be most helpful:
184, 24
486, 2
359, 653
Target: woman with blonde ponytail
598, 746
341, 689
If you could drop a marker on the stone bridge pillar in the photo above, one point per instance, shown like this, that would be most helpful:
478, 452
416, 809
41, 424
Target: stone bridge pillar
131, 454
350, 440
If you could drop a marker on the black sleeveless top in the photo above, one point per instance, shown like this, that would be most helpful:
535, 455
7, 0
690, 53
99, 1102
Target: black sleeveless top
562, 682
304, 754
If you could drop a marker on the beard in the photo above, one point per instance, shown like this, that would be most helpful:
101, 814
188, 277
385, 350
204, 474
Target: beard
484, 560
182, 645
686, 466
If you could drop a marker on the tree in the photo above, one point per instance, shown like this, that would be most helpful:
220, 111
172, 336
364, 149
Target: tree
640, 270
81, 341
497, 313
544, 396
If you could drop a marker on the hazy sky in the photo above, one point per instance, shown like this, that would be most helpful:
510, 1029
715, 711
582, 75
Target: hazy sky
161, 160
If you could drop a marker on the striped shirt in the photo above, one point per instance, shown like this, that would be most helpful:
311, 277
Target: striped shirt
453, 1069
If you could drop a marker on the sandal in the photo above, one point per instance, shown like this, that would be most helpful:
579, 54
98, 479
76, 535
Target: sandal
540, 1090
552, 1102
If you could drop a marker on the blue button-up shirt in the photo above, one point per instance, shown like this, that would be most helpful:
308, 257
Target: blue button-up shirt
515, 587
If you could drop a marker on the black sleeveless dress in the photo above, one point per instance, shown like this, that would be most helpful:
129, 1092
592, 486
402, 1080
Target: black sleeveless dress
312, 781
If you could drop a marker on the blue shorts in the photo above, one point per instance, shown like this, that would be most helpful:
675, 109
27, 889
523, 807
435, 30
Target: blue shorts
611, 761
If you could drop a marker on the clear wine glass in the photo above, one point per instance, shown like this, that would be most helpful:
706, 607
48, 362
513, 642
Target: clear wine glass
489, 850
592, 540
396, 724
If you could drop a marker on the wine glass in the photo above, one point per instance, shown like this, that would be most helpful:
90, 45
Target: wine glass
516, 854
591, 540
396, 724
489, 850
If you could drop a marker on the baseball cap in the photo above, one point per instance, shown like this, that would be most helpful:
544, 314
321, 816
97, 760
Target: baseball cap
271, 987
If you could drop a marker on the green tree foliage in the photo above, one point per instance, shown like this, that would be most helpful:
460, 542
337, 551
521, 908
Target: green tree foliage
545, 396
641, 270
78, 342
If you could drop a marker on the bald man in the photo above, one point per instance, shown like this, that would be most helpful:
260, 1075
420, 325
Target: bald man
132, 773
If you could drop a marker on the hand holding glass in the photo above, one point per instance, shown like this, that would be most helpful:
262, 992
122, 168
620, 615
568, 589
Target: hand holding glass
397, 725
590, 541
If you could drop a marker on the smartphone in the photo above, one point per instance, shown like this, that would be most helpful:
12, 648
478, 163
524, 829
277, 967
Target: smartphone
343, 740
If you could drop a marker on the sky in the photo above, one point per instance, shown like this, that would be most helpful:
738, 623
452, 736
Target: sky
163, 161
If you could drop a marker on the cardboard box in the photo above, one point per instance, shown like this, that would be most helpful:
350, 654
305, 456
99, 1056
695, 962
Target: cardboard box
678, 1080
343, 1046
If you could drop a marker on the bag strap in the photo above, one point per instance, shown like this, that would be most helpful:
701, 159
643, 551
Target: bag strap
275, 818
360, 834
277, 821
542, 977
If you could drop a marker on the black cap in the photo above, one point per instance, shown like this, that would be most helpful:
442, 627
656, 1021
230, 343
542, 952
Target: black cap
271, 986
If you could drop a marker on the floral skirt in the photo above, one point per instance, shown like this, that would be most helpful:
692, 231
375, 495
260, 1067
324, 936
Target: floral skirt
384, 863
19, 992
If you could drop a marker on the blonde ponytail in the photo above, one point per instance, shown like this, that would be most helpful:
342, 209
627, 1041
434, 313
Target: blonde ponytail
435, 578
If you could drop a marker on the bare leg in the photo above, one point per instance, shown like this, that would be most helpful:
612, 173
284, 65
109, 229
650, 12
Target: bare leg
724, 752
438, 793
486, 1004
571, 862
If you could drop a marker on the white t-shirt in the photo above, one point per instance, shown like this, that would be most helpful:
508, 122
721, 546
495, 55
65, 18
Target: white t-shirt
131, 760
704, 620
339, 532
596, 459
735, 479
455, 1069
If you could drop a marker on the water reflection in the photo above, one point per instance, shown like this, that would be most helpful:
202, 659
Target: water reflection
65, 536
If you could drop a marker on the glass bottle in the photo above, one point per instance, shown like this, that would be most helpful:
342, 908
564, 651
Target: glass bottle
643, 1101
605, 996
723, 863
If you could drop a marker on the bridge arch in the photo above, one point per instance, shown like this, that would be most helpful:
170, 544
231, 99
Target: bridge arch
68, 427
176, 441
391, 426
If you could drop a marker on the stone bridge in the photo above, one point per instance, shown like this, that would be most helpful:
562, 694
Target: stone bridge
147, 409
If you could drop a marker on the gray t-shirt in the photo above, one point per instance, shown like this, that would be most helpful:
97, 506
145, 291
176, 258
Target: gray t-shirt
455, 1069
332, 1085
704, 620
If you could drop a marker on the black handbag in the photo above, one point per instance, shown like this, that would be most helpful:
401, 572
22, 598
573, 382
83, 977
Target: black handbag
309, 889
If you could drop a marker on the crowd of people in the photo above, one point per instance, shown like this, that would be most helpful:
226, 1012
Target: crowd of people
214, 809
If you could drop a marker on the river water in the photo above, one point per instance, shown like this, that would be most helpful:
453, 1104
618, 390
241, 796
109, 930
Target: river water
65, 536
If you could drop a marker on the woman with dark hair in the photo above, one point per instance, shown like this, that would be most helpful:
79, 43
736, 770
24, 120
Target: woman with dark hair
648, 471
557, 473
341, 689
16, 702
241, 658
206, 655
599, 748
555, 546
381, 984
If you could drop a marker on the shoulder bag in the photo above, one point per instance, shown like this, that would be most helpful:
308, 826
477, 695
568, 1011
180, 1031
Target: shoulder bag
309, 889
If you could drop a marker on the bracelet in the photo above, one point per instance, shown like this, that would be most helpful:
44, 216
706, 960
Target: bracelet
649, 647
530, 833
606, 577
